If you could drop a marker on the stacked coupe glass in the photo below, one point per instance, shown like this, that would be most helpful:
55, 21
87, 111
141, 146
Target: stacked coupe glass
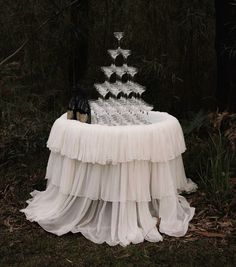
120, 102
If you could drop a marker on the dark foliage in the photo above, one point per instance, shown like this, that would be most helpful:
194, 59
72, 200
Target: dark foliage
172, 44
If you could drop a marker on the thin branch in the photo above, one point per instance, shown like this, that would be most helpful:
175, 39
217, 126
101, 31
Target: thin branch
16, 52
37, 29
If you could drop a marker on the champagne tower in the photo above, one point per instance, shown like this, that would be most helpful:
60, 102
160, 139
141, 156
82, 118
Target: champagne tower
120, 102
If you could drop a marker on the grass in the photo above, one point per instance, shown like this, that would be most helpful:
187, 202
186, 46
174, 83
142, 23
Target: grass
74, 250
215, 175
211, 140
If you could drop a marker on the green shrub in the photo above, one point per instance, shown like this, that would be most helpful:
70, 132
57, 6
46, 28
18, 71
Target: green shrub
215, 170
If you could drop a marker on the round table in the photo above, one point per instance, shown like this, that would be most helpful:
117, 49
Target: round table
114, 183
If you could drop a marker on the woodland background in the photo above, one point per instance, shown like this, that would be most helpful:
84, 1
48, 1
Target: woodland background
173, 44
186, 55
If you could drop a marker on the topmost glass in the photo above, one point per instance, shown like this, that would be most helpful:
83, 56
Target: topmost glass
119, 35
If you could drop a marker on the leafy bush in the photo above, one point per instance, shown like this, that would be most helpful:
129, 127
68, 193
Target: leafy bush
25, 116
215, 170
211, 139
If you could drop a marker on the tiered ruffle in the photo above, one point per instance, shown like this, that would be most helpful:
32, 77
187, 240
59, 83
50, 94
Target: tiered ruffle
158, 142
112, 183
133, 181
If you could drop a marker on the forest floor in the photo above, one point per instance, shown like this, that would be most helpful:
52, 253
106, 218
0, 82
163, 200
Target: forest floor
210, 240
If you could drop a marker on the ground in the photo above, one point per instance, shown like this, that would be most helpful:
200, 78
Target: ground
210, 240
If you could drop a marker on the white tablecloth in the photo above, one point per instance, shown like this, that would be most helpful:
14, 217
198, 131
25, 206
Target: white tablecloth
111, 183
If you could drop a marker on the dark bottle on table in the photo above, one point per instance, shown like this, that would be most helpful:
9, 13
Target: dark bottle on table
79, 108
83, 111
71, 109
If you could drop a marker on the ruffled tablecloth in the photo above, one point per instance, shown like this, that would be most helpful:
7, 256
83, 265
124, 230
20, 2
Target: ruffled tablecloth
111, 183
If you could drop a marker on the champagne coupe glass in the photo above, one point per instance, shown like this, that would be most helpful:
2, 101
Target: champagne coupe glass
104, 114
101, 106
125, 53
119, 36
144, 107
125, 66
93, 111
132, 71
114, 53
140, 107
127, 119
115, 88
102, 89
118, 85
131, 86
120, 71
112, 113
108, 71
118, 105
135, 112
138, 89
125, 90
97, 109
141, 89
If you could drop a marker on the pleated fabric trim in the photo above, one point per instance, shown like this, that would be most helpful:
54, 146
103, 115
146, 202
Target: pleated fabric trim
133, 181
160, 141
111, 222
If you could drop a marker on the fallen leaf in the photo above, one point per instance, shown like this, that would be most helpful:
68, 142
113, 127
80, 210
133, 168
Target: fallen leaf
190, 239
210, 234
69, 260
225, 224
123, 256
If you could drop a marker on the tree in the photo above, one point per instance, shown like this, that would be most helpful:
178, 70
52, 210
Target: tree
226, 62
79, 41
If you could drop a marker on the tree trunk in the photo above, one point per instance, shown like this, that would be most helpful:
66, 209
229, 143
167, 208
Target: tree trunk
79, 42
225, 94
